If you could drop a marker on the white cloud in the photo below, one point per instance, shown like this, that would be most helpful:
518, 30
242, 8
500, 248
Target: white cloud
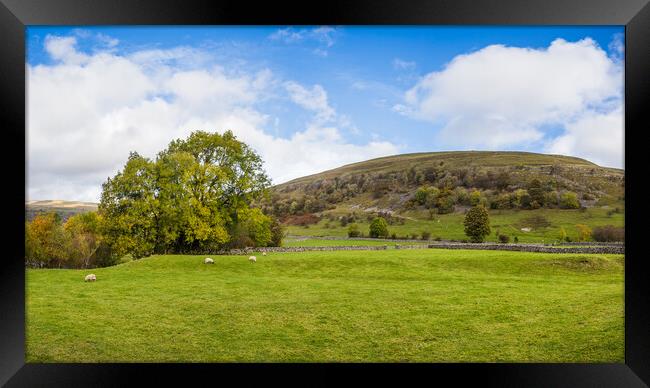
503, 96
617, 46
595, 136
320, 52
87, 111
108, 41
314, 100
324, 37
400, 64
63, 49
288, 35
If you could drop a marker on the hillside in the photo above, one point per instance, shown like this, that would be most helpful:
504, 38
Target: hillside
391, 183
64, 209
450, 160
534, 197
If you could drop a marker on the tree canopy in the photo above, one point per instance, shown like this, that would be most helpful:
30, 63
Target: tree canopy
195, 196
477, 224
379, 228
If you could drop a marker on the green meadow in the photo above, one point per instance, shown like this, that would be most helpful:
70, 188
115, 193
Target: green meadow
424, 305
320, 242
450, 226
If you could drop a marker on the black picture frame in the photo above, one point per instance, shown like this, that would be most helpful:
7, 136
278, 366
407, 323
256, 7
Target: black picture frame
16, 14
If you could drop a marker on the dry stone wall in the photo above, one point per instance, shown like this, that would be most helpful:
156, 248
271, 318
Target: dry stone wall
600, 249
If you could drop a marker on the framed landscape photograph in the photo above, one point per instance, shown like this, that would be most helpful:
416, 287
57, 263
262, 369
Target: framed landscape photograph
379, 188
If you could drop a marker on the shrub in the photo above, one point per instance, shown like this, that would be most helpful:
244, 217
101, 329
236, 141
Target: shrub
277, 233
475, 198
584, 232
608, 233
504, 239
503, 201
536, 192
516, 240
477, 224
353, 230
414, 236
587, 197
393, 236
426, 195
426, 235
551, 198
378, 228
445, 203
47, 243
569, 200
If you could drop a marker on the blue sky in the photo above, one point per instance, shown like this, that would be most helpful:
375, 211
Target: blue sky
313, 98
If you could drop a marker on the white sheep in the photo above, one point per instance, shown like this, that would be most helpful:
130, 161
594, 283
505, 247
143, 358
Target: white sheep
208, 261
263, 253
90, 278
252, 259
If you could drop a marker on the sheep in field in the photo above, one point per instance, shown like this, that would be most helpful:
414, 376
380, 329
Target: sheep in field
252, 259
263, 253
90, 278
208, 261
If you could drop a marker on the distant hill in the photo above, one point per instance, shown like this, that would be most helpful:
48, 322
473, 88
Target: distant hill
65, 209
391, 182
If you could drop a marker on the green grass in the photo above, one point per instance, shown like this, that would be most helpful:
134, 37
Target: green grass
414, 305
509, 222
315, 242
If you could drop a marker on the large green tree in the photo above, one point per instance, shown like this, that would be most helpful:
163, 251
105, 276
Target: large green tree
129, 208
195, 196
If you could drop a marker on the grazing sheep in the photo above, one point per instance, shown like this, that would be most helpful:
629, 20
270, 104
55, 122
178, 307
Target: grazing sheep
252, 259
90, 278
208, 261
263, 253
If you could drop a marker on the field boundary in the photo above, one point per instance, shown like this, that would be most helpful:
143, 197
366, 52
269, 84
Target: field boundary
604, 249
425, 242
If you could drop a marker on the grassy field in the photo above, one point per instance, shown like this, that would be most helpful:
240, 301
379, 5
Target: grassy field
416, 305
509, 222
315, 242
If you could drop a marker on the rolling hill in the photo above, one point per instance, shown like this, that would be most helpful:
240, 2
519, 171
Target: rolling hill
64, 209
389, 181
430, 192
